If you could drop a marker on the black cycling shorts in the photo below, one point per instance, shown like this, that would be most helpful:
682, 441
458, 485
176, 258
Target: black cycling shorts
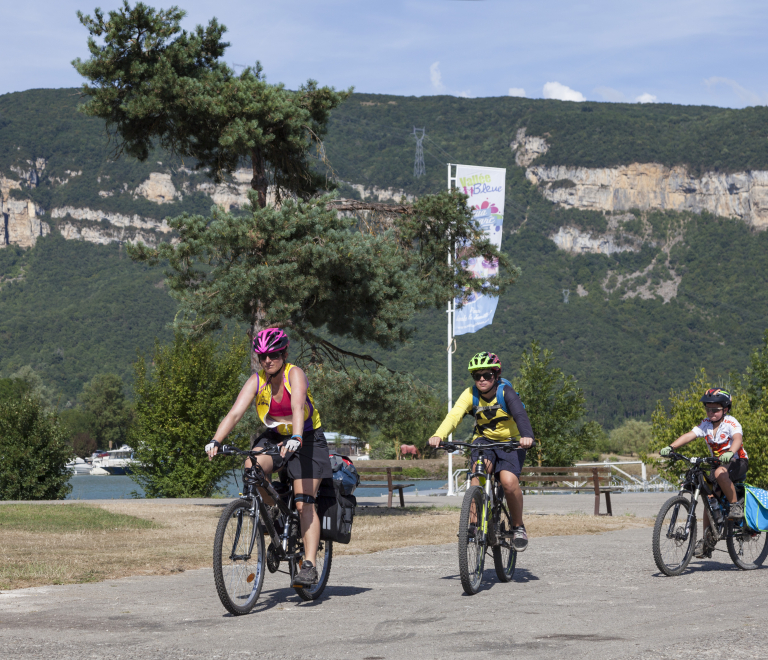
737, 469
310, 461
511, 461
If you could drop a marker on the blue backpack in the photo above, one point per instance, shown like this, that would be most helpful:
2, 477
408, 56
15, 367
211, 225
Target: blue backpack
503, 382
756, 508
345, 476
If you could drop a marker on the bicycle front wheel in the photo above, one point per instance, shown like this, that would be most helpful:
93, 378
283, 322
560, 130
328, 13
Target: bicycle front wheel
504, 554
747, 548
323, 565
472, 540
238, 558
672, 548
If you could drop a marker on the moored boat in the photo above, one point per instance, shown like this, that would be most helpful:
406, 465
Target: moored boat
79, 466
117, 461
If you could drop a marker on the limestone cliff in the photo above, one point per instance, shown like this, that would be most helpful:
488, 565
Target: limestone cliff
20, 222
648, 186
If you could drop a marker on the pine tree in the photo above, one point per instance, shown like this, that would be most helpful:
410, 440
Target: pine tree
156, 84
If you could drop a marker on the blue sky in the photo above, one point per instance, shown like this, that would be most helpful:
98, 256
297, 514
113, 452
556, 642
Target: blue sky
669, 51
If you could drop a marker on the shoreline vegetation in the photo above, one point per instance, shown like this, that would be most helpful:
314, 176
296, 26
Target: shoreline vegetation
120, 538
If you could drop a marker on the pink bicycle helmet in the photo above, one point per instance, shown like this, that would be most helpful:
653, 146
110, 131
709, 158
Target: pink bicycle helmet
270, 340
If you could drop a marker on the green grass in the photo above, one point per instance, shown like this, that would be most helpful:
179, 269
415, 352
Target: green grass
66, 518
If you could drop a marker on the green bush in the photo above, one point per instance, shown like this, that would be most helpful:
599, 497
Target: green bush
632, 437
33, 452
555, 406
180, 400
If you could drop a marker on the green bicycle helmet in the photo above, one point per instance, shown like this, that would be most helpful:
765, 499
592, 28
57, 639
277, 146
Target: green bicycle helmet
484, 360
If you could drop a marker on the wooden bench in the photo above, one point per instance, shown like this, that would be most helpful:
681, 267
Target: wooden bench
381, 474
596, 479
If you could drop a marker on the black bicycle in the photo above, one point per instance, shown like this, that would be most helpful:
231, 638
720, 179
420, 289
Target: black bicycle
484, 521
674, 535
239, 555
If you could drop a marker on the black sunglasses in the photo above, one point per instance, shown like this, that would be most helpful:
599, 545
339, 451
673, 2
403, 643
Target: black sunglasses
483, 375
277, 355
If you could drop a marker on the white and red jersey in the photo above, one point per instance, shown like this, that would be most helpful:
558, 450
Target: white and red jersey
720, 440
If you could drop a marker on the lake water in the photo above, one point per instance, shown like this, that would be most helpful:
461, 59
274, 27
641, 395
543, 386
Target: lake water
87, 487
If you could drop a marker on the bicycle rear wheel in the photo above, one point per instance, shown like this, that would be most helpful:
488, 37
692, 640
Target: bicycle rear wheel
323, 565
472, 540
748, 549
672, 549
504, 554
238, 558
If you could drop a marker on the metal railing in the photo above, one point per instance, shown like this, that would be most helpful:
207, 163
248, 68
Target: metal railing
627, 482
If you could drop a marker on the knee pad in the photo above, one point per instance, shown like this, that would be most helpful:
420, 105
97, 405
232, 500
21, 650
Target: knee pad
307, 499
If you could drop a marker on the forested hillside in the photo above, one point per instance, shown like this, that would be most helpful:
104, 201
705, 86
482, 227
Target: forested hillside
72, 309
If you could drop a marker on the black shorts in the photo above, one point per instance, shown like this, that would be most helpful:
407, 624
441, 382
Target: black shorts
310, 461
737, 469
511, 461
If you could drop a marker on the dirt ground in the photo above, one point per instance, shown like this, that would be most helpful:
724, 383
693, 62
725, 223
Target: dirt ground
184, 540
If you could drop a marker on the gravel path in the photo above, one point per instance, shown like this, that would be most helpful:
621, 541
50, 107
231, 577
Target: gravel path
597, 596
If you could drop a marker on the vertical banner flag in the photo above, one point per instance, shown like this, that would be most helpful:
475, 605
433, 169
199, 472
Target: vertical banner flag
485, 187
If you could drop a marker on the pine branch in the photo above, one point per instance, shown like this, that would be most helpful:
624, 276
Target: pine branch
379, 207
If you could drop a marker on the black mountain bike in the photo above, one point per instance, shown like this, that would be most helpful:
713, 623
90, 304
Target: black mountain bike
674, 535
484, 522
265, 508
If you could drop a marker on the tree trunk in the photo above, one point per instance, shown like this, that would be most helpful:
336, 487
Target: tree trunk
257, 324
259, 182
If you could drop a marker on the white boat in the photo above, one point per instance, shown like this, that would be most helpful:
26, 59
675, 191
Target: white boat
79, 466
114, 461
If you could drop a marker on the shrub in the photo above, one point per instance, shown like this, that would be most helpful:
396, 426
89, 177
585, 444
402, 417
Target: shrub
179, 404
33, 452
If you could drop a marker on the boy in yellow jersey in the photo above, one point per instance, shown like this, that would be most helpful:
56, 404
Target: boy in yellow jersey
495, 421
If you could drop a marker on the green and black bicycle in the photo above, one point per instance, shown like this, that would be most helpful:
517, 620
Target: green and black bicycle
484, 522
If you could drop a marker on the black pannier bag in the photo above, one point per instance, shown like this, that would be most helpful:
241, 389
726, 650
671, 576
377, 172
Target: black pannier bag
336, 512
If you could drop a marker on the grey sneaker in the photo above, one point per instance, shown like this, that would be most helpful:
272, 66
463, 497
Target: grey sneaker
519, 538
307, 576
736, 511
702, 550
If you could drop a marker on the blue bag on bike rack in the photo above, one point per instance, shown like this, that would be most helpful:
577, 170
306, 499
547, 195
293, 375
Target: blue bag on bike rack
756, 508
345, 476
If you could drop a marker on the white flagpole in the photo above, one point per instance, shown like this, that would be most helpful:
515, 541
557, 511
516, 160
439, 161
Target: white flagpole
450, 365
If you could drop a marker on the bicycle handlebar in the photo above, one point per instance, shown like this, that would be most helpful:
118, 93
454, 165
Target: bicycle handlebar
711, 460
508, 446
268, 450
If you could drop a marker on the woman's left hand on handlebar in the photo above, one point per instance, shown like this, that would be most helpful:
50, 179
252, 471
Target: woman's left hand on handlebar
435, 441
290, 446
526, 443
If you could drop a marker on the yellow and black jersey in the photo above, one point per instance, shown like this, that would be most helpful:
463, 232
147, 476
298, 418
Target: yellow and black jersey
491, 421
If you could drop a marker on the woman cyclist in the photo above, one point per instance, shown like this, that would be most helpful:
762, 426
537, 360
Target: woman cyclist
280, 392
492, 424
724, 438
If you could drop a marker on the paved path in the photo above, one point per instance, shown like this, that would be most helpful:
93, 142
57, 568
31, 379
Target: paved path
573, 597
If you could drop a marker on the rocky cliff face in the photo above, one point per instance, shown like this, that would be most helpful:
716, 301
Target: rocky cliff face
21, 224
648, 186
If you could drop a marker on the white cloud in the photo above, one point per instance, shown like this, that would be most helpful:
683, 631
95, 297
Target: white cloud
745, 95
465, 95
609, 94
560, 92
516, 91
646, 98
436, 77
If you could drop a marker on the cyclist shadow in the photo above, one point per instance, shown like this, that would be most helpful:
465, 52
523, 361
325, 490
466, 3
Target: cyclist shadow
703, 566
522, 575
285, 597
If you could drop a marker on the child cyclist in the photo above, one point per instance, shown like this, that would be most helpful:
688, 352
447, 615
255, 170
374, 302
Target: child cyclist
723, 435
493, 424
